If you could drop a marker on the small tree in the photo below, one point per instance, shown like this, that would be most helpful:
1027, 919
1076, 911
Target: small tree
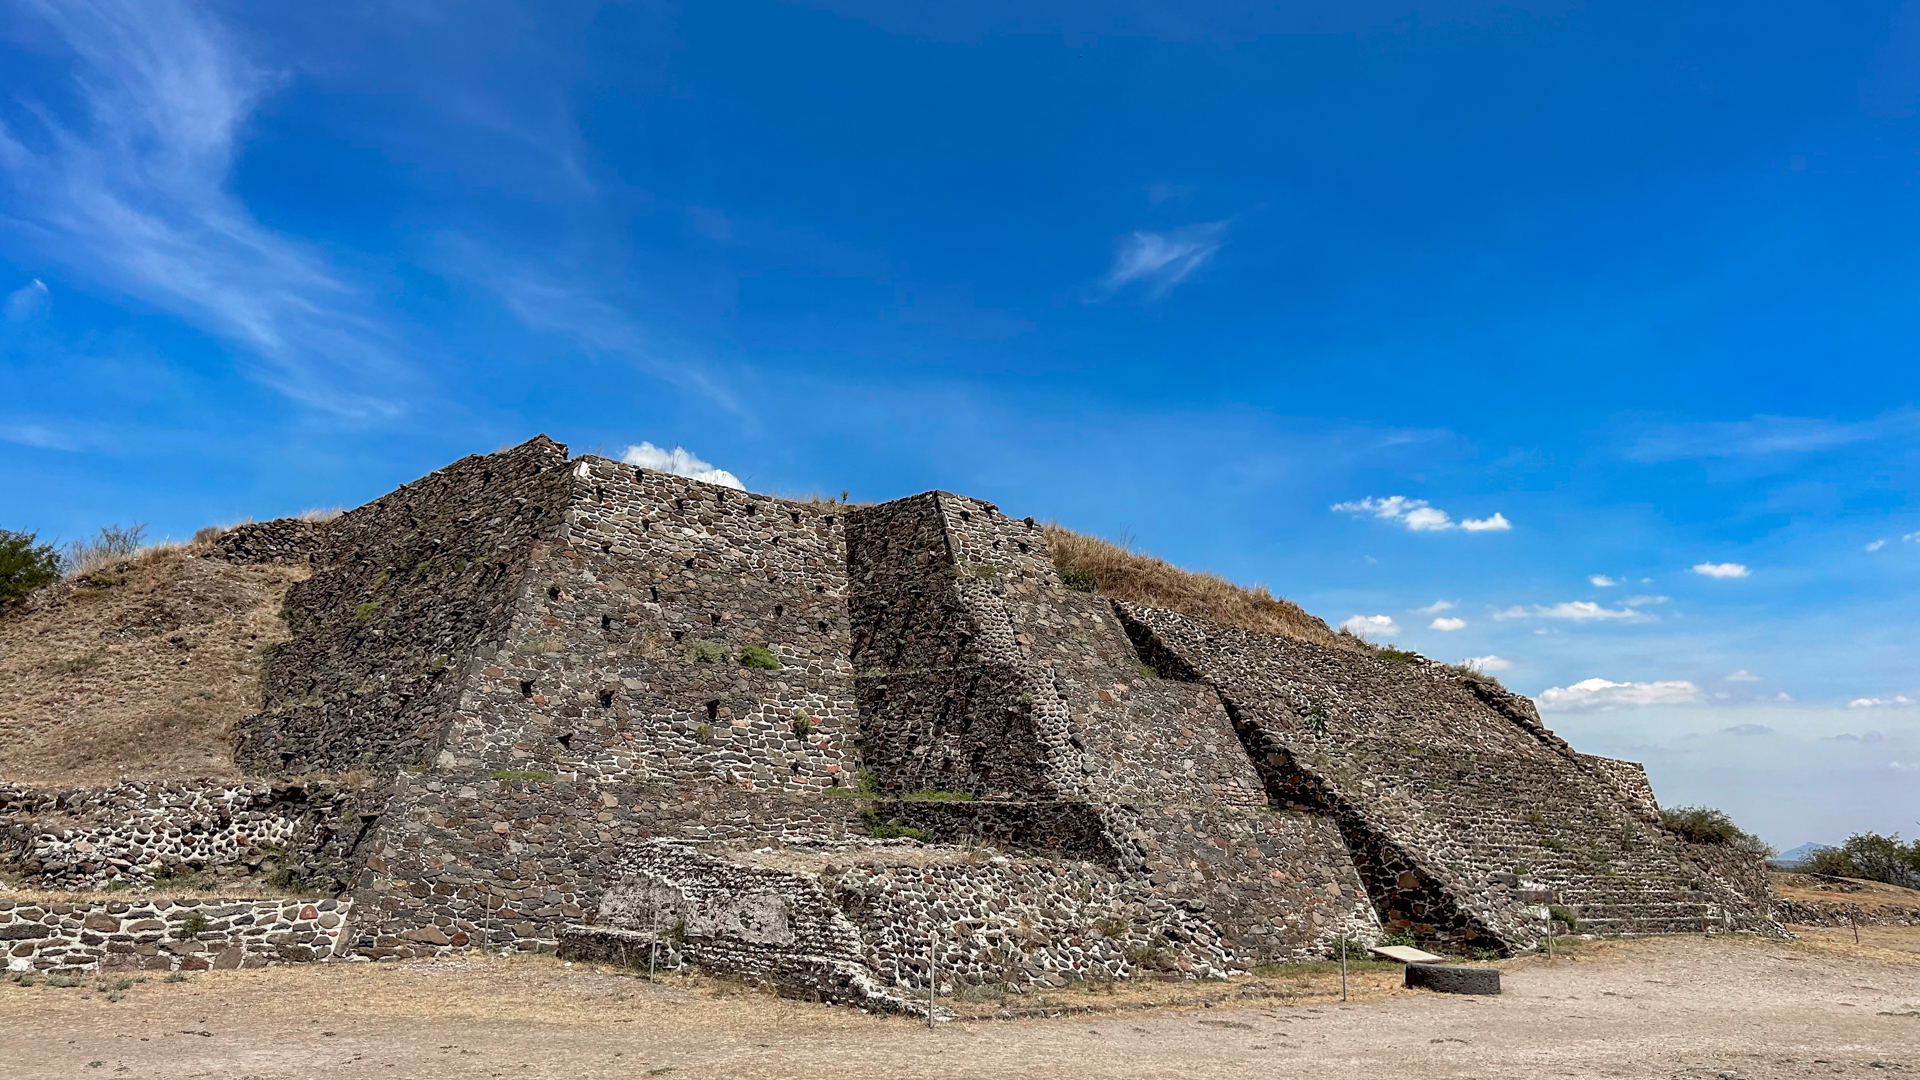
113, 544
25, 565
1873, 857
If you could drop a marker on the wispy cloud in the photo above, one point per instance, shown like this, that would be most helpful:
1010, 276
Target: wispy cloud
1721, 570
1769, 436
1435, 608
1161, 260
1602, 581
1603, 694
27, 301
1445, 624
1372, 626
549, 305
1877, 545
1487, 664
1894, 702
1418, 515
679, 461
1577, 611
1743, 675
133, 194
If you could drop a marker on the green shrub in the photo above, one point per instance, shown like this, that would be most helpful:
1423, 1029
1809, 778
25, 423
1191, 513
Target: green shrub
1706, 825
759, 656
1398, 656
1565, 916
802, 724
191, 927
1872, 857
25, 565
1079, 581
891, 830
702, 651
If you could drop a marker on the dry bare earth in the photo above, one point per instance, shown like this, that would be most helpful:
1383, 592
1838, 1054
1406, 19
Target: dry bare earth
136, 669
1676, 1007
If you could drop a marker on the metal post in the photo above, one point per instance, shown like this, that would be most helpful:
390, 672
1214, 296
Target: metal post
933, 983
1854, 918
1343, 969
1549, 937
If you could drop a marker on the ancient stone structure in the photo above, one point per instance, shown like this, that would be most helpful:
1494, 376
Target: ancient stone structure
848, 750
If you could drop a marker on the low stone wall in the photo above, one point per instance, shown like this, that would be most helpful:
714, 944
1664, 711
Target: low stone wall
282, 540
135, 832
1840, 914
167, 935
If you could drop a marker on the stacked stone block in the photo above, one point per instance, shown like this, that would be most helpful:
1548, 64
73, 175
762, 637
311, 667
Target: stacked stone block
167, 935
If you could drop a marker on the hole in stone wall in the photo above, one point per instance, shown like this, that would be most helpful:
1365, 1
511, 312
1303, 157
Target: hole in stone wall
753, 508
606, 699
655, 592
526, 688
566, 741
679, 504
646, 524
600, 495
779, 610
796, 516
553, 592
678, 634
964, 516
1029, 522
796, 768
689, 564
606, 622
819, 588
829, 519
715, 617
823, 627
639, 474
1024, 549
713, 710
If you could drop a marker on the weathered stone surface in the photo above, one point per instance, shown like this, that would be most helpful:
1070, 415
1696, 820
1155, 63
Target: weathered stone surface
1447, 979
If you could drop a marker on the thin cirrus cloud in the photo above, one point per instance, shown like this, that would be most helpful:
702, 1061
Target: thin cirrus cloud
1435, 608
27, 301
1602, 581
679, 461
134, 195
1894, 702
1447, 624
1158, 261
1372, 626
1743, 675
1721, 570
1602, 694
1418, 515
1769, 436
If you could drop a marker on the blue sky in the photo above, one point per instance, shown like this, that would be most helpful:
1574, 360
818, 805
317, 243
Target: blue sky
1628, 288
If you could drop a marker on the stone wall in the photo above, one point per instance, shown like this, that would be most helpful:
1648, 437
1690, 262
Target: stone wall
167, 935
406, 590
1464, 812
282, 540
137, 832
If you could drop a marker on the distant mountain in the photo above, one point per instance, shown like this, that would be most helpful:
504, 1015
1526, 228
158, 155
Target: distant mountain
1801, 853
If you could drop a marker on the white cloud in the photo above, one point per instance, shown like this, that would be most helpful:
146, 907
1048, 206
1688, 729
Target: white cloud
1783, 696
1435, 608
1642, 601
1893, 702
1907, 766
27, 301
1162, 260
1748, 729
1602, 581
1514, 612
1911, 536
1743, 675
1418, 515
1372, 625
1447, 624
1877, 544
1487, 663
1588, 611
1602, 694
680, 462
1720, 569
134, 194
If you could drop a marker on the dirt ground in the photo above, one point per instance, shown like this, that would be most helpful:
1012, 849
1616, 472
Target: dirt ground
1674, 1007
137, 669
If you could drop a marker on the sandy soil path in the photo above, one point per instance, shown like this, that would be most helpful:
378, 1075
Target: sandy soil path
1662, 1008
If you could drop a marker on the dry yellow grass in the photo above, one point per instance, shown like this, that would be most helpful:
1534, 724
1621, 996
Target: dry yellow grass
136, 668
1124, 574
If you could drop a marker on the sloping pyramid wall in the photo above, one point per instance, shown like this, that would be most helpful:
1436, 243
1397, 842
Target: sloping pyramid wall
1465, 813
